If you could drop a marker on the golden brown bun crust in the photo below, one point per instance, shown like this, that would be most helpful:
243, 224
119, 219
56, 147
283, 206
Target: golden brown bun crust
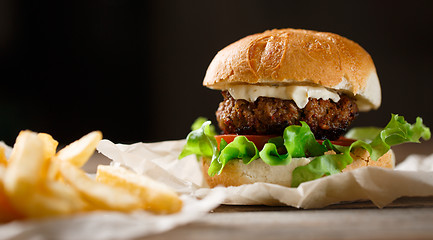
236, 173
294, 55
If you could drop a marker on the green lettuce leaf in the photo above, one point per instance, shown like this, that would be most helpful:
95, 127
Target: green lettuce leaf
326, 165
299, 141
199, 122
397, 131
240, 148
363, 133
201, 142
269, 154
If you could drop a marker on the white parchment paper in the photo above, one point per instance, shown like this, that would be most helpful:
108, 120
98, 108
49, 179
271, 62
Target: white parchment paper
413, 177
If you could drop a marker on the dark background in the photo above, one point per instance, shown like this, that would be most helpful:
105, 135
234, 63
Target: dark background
134, 69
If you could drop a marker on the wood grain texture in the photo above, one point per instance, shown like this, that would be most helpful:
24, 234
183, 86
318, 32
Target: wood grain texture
407, 218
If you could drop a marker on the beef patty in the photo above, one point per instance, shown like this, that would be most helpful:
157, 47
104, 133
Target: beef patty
326, 118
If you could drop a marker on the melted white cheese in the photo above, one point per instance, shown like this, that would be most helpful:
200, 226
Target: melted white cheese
299, 94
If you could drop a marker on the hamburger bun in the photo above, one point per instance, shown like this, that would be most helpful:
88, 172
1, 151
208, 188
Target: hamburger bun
285, 91
287, 57
236, 173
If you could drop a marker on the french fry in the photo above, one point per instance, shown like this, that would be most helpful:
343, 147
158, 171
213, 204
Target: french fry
40, 205
155, 196
65, 193
80, 151
7, 210
3, 159
26, 163
25, 181
100, 195
50, 145
23, 175
38, 182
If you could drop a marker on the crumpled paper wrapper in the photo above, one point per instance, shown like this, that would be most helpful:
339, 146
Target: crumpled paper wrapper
413, 177
105, 225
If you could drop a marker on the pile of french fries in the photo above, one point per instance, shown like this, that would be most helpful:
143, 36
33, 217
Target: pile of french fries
37, 181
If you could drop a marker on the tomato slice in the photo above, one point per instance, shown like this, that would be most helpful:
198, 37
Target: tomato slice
258, 140
342, 141
261, 140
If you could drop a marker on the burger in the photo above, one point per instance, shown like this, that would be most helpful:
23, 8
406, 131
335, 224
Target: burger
290, 96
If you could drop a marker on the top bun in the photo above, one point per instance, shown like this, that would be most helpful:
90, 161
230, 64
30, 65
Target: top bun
300, 57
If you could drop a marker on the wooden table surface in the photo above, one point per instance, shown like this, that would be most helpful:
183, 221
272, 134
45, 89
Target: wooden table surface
405, 218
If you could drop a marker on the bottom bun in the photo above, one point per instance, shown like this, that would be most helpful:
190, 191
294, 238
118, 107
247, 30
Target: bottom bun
237, 173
